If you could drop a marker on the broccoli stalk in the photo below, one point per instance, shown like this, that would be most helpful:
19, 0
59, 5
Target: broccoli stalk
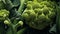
21, 6
13, 26
58, 19
3, 14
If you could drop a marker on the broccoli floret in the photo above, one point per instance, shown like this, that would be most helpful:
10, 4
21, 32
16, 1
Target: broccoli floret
3, 14
39, 15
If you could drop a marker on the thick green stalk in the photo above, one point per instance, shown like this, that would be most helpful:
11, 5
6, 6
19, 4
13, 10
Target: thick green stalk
21, 6
13, 26
14, 30
58, 21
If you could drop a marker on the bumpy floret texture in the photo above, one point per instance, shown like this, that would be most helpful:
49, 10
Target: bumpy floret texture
3, 14
39, 15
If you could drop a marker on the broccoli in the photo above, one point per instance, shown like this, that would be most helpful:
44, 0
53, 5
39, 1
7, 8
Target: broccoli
2, 5
39, 15
3, 14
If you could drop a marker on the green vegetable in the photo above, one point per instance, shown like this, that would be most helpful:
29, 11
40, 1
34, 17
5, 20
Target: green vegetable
39, 15
6, 22
3, 14
2, 5
21, 31
21, 6
12, 27
20, 23
58, 19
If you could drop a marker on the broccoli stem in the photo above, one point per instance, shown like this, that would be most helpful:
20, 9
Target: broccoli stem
14, 30
21, 6
13, 26
58, 21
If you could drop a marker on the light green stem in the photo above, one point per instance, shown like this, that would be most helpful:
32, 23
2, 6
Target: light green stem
14, 30
21, 6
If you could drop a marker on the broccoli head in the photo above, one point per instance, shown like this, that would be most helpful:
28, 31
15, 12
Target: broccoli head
3, 14
39, 15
